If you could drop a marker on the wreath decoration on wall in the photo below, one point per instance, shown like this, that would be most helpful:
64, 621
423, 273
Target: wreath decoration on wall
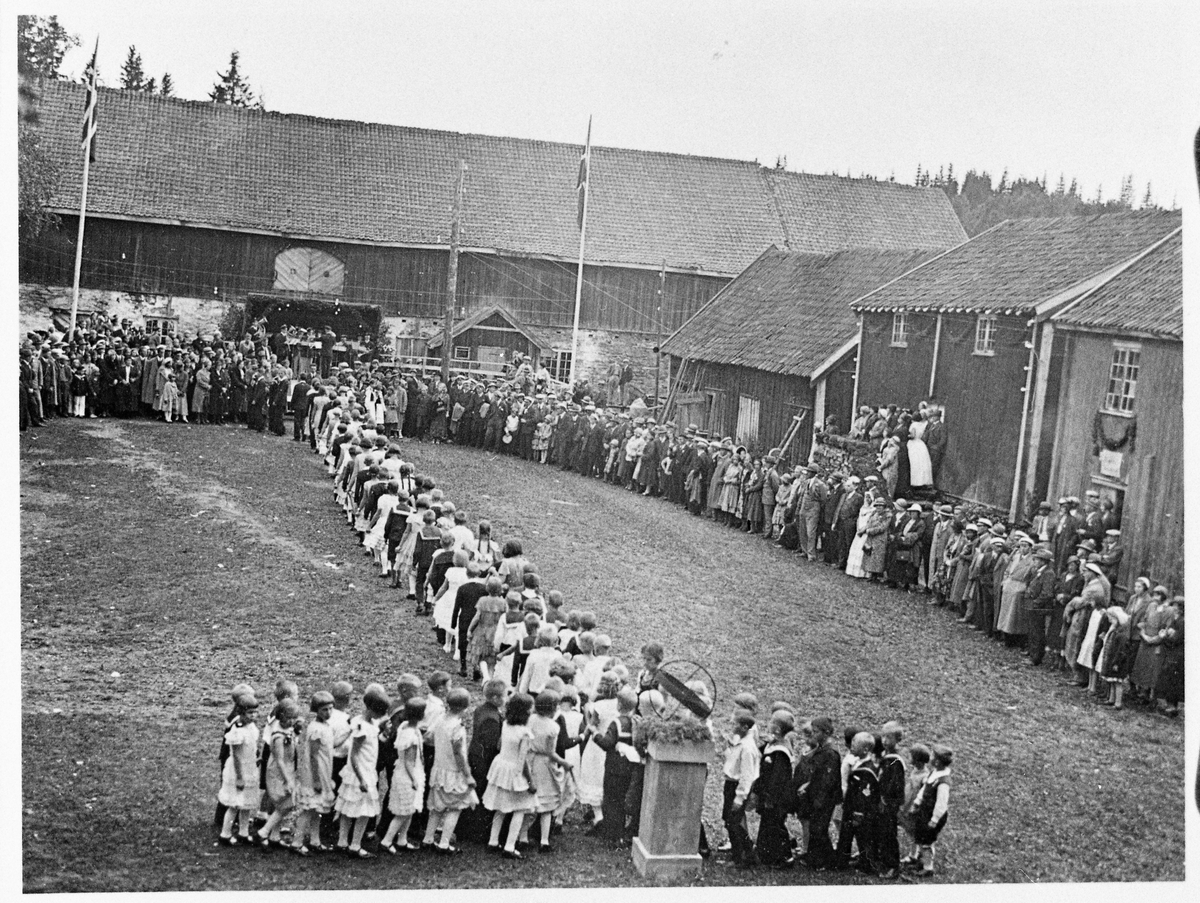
1101, 440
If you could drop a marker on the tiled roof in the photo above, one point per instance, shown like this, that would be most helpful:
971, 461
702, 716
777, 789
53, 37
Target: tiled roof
1145, 298
788, 311
205, 164
1019, 263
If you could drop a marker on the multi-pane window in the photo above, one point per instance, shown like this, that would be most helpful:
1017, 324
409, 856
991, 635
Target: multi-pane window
462, 352
985, 334
1122, 379
560, 366
900, 329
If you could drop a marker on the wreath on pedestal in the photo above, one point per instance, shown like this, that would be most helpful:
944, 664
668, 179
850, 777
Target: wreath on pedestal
1101, 439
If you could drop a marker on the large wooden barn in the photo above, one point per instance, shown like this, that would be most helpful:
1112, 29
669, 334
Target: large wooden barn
196, 203
779, 341
1117, 426
968, 330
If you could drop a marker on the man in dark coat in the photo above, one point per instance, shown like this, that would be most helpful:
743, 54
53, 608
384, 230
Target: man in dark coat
1040, 602
1063, 534
829, 545
256, 412
701, 472
935, 441
1093, 520
277, 404
300, 401
846, 520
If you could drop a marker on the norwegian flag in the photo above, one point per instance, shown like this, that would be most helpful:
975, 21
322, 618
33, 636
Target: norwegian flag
88, 138
585, 172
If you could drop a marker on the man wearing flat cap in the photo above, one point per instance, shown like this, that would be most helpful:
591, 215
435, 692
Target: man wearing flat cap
808, 513
1111, 554
1063, 535
1040, 602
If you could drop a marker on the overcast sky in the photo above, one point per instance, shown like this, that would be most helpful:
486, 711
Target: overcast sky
1086, 89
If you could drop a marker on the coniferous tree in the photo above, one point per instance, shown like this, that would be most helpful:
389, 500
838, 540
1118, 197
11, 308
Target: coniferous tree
231, 88
133, 77
166, 87
1148, 199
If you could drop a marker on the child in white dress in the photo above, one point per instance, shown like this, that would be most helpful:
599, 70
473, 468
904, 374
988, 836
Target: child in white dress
408, 779
358, 797
509, 789
597, 715
281, 771
451, 786
547, 766
314, 775
239, 791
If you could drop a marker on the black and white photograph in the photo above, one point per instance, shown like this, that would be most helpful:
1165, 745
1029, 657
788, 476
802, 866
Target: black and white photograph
564, 447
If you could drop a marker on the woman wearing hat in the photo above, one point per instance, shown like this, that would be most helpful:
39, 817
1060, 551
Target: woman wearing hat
889, 464
854, 558
1096, 596
875, 547
1170, 678
1147, 668
902, 568
961, 552
1011, 618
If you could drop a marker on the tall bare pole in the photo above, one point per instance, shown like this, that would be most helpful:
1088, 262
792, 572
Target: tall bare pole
662, 295
585, 179
452, 272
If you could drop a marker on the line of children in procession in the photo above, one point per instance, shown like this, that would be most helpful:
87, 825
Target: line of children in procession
407, 773
526, 765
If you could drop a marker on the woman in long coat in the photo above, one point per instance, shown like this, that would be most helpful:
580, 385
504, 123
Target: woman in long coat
960, 552
854, 558
106, 398
716, 481
237, 388
1011, 618
1148, 665
127, 385
876, 545
889, 464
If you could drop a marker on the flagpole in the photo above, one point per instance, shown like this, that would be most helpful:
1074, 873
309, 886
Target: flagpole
587, 187
89, 135
79, 241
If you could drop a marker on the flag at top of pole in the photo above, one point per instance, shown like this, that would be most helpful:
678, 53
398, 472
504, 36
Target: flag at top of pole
585, 165
88, 139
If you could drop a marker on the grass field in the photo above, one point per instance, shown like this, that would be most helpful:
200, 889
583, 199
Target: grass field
161, 565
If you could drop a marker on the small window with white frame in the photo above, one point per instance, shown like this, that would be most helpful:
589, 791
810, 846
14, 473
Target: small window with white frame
1123, 377
985, 334
560, 365
900, 329
462, 352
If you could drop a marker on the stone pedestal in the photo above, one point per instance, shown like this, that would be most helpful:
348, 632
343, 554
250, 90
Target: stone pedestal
672, 800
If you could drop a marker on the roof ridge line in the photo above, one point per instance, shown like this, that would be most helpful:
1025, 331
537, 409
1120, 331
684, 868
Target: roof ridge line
926, 263
1119, 270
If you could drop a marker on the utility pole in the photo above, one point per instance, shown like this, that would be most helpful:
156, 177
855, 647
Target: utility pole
452, 272
662, 294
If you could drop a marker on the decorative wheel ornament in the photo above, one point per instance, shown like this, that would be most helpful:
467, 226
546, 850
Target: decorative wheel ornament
673, 679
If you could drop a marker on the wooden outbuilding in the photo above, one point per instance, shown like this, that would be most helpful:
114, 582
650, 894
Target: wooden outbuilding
967, 330
778, 342
1118, 425
491, 337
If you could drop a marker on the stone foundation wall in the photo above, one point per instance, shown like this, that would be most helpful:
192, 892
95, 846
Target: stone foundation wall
37, 304
597, 349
